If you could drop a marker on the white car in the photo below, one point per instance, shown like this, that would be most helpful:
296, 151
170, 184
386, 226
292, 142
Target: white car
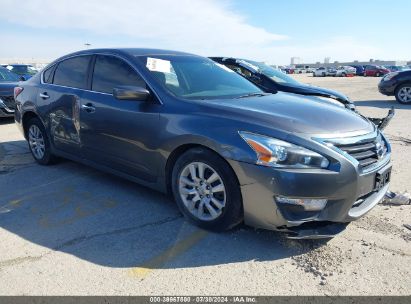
344, 71
322, 72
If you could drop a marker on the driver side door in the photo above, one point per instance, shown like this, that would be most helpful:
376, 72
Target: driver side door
120, 134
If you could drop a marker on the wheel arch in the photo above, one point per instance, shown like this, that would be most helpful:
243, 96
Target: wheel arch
27, 116
180, 150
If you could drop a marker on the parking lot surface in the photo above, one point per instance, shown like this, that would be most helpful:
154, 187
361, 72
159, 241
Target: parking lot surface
68, 229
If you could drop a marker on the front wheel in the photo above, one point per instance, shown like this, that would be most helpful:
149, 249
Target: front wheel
38, 142
206, 190
403, 93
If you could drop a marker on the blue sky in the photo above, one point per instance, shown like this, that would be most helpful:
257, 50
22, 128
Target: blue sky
271, 31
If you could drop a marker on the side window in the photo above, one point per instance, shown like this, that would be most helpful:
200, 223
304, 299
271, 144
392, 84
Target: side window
47, 75
110, 72
72, 72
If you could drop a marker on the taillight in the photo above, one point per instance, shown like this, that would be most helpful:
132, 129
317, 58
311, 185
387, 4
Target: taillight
17, 91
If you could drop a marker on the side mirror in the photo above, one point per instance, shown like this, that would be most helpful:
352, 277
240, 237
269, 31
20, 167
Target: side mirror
131, 93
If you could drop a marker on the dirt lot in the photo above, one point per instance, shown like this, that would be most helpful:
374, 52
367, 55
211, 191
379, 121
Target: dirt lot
71, 230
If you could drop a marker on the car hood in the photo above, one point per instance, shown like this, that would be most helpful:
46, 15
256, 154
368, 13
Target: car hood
7, 88
293, 114
317, 91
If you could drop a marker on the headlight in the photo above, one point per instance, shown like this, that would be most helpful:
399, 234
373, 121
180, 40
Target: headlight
389, 76
277, 153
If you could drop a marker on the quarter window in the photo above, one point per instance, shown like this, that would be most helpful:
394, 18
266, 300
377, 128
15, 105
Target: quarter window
72, 72
47, 75
111, 72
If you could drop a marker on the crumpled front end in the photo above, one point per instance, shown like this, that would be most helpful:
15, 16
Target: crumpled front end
315, 203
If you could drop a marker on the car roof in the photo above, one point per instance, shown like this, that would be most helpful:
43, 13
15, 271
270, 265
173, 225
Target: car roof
17, 65
130, 51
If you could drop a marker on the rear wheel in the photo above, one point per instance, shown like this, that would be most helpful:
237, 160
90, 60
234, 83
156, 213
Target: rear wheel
377, 74
403, 93
206, 190
38, 142
344, 75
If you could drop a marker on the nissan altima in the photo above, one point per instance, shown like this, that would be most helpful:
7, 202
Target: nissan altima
227, 151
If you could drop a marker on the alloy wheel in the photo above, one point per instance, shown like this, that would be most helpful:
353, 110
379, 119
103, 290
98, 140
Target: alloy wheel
36, 142
404, 94
202, 191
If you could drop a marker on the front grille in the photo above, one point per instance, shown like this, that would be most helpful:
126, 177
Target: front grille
9, 102
366, 152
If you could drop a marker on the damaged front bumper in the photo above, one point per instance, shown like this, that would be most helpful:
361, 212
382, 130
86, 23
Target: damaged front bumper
349, 193
381, 123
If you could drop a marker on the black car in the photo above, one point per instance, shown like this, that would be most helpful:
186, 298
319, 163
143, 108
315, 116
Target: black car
8, 81
225, 149
271, 80
397, 84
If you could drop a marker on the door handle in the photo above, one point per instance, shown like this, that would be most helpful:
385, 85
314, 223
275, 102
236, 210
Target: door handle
44, 95
88, 108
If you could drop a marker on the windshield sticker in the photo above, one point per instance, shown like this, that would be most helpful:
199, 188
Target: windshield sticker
224, 67
158, 65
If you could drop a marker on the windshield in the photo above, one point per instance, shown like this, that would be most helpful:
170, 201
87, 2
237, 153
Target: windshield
193, 77
6, 75
272, 73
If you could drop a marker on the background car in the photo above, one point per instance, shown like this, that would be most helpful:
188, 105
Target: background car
359, 70
397, 84
344, 71
375, 71
323, 71
395, 68
8, 81
25, 71
271, 80
289, 70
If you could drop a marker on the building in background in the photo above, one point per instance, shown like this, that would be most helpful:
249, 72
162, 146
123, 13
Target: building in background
295, 60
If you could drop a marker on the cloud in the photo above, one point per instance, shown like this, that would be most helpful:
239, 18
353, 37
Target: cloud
190, 25
204, 27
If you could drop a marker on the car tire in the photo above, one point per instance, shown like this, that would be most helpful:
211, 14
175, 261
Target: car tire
400, 90
343, 75
212, 199
377, 74
323, 74
39, 143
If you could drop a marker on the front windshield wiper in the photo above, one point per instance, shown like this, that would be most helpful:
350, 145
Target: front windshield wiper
253, 95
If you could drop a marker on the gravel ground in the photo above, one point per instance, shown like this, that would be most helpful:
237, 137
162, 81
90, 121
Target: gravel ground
71, 230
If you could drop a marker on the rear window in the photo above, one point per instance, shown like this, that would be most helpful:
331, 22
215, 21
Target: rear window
72, 72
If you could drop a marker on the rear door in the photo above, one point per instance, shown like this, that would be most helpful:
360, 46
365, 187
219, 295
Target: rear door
121, 134
60, 94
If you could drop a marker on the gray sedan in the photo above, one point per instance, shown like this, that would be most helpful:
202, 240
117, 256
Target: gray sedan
225, 150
